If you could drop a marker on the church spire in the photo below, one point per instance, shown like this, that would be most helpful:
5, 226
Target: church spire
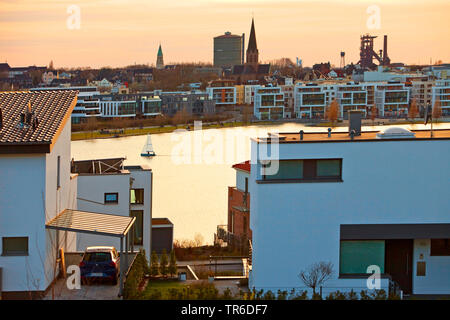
160, 59
252, 40
252, 49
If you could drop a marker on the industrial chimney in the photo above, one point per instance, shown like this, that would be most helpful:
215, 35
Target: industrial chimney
386, 60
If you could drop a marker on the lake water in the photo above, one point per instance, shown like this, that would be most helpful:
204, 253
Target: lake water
192, 170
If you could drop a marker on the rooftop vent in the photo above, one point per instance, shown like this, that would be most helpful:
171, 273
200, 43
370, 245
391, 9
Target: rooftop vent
354, 122
396, 133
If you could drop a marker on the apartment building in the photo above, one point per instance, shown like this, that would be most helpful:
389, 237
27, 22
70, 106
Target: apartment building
441, 92
351, 96
392, 99
312, 99
269, 103
36, 186
223, 93
288, 91
195, 103
354, 201
129, 105
422, 91
87, 101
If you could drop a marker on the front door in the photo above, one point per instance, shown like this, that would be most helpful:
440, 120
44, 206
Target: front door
398, 263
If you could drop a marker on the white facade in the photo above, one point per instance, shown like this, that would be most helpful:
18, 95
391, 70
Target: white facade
91, 197
312, 99
297, 224
29, 198
392, 99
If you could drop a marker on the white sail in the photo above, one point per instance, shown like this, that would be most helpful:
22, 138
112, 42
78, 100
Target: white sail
147, 150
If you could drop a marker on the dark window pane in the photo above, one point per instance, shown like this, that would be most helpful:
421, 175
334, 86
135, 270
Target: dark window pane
356, 256
287, 169
309, 169
111, 197
328, 168
138, 226
440, 247
15, 246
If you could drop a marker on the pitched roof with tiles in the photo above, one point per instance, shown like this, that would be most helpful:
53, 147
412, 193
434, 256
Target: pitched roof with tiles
50, 112
244, 166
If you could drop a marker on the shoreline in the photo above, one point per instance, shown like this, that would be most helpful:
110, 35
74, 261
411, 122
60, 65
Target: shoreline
129, 132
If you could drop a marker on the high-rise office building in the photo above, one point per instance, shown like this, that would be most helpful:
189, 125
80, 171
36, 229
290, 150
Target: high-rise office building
228, 50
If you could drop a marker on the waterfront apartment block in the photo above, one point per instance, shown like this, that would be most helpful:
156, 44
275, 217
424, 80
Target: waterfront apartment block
441, 92
351, 96
269, 103
195, 103
223, 93
392, 99
422, 91
355, 201
128, 105
312, 99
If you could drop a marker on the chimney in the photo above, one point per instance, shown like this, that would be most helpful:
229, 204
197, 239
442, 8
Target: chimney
354, 122
385, 56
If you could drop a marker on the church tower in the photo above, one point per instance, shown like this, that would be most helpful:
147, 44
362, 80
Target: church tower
252, 49
160, 59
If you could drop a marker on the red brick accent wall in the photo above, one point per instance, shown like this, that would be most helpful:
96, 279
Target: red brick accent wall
235, 199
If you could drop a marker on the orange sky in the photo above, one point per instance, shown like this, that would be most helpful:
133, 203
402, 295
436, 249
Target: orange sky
120, 32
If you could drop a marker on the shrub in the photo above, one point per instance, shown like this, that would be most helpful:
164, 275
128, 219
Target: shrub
154, 264
163, 263
336, 296
172, 263
135, 277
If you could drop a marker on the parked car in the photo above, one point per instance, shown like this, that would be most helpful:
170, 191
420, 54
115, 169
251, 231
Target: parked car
100, 263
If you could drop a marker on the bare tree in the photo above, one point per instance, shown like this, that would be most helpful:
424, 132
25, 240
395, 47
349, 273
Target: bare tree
333, 112
316, 275
373, 114
413, 110
437, 110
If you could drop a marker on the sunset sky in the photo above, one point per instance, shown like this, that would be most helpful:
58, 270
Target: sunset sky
119, 32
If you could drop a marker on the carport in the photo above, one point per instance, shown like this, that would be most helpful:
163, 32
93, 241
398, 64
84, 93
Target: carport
99, 224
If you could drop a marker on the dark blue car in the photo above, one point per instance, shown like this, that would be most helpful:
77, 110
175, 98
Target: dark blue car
100, 263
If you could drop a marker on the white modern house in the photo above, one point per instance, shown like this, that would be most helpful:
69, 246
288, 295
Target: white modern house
35, 186
392, 99
106, 185
355, 201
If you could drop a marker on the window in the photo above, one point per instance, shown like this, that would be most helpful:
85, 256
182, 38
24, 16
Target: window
440, 247
15, 246
138, 226
356, 256
137, 196
58, 173
112, 198
307, 170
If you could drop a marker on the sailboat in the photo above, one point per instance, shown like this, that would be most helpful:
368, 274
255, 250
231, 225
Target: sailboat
147, 150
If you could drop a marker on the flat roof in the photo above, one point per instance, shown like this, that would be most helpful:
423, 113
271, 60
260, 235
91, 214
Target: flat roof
91, 222
309, 137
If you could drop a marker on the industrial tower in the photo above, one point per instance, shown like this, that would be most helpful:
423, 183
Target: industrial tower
367, 53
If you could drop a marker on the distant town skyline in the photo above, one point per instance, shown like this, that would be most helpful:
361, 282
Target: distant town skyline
118, 33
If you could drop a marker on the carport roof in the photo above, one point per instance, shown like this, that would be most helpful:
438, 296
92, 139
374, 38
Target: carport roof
91, 222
